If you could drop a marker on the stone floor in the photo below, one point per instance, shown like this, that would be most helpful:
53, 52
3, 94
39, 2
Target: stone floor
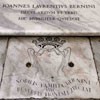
80, 60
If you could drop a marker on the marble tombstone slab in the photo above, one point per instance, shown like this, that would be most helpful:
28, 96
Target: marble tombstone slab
49, 67
50, 17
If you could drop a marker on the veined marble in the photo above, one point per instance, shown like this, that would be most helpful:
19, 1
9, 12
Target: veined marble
49, 67
50, 17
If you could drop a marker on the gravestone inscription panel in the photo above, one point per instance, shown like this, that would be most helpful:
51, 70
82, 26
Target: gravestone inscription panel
49, 67
49, 17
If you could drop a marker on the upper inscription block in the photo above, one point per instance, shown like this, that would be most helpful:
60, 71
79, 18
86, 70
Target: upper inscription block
49, 17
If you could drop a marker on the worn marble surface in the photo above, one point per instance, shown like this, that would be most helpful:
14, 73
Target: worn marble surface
49, 68
61, 17
3, 47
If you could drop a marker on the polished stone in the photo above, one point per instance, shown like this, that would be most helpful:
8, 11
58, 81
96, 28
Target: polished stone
49, 67
48, 17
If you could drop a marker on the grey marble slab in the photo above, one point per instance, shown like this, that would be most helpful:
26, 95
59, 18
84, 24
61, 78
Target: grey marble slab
3, 48
50, 17
49, 67
95, 42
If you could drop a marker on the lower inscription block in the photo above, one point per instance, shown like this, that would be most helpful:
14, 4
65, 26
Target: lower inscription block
50, 67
